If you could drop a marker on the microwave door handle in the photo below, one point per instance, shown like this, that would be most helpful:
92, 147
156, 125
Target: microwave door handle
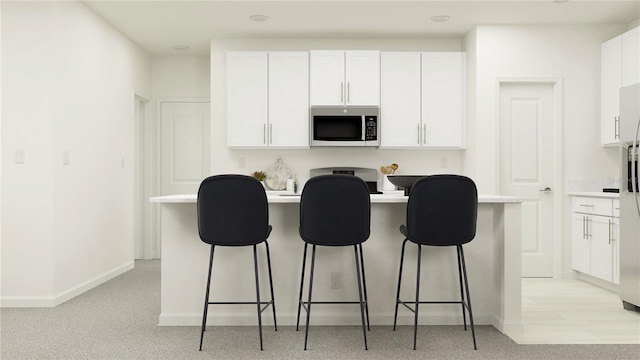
634, 167
364, 129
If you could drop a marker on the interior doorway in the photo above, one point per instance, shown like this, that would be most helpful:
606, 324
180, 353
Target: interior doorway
530, 157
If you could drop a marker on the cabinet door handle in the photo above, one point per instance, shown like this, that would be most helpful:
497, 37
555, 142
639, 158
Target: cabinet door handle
418, 134
610, 232
348, 91
616, 128
587, 205
341, 91
270, 134
424, 134
264, 134
584, 226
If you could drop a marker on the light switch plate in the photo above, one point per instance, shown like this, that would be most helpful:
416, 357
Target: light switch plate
19, 156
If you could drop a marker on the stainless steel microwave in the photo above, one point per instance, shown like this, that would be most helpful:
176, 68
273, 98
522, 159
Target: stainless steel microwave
344, 125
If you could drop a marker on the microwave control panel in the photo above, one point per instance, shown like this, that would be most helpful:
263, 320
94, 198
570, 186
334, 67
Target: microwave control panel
371, 127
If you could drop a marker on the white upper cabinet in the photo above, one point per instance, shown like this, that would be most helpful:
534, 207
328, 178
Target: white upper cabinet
400, 97
610, 83
288, 99
620, 67
443, 99
422, 99
631, 57
247, 86
345, 77
267, 99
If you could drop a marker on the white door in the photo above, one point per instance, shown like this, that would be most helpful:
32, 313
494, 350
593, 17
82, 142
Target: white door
185, 146
526, 163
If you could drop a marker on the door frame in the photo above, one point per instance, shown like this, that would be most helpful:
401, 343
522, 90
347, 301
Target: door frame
155, 133
557, 185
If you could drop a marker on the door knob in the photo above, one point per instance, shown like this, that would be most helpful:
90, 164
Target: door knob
547, 189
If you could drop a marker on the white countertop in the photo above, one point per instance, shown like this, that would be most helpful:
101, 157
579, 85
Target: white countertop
277, 198
595, 194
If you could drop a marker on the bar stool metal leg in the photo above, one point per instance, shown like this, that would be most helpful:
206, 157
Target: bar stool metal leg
415, 321
206, 298
313, 261
464, 317
362, 305
466, 285
364, 285
395, 316
255, 265
273, 300
304, 262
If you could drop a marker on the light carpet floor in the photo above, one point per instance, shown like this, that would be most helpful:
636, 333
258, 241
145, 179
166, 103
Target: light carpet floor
118, 320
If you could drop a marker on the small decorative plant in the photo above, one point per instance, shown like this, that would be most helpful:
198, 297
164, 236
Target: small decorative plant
260, 175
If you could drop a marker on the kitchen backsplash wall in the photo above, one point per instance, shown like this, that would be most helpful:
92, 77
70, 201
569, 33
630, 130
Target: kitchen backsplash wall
593, 184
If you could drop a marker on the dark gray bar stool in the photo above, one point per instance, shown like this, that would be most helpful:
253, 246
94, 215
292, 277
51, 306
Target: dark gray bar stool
335, 210
441, 211
233, 211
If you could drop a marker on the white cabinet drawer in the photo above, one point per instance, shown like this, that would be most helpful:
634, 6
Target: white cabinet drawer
593, 206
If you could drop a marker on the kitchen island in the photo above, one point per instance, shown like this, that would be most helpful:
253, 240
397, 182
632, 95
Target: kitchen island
493, 264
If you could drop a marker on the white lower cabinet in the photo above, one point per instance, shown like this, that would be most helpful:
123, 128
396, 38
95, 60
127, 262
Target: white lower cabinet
595, 238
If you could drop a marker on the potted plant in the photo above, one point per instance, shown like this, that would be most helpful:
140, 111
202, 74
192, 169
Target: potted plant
260, 176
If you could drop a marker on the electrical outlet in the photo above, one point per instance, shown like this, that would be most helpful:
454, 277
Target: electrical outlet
65, 157
336, 280
242, 162
443, 163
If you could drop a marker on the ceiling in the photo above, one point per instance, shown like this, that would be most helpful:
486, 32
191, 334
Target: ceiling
159, 25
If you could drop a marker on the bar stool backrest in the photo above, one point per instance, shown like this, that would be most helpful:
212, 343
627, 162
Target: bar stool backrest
442, 210
335, 210
232, 211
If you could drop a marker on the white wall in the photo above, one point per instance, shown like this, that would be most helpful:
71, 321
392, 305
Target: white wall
69, 80
300, 161
568, 52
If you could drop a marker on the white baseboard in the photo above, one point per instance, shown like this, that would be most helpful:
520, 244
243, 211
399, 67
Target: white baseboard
227, 319
55, 300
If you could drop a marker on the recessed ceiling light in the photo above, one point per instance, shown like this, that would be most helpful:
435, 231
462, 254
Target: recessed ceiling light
180, 47
440, 18
259, 18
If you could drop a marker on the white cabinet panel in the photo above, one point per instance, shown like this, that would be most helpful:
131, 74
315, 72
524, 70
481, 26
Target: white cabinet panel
620, 67
362, 78
631, 57
580, 244
595, 233
443, 99
423, 99
267, 99
247, 85
601, 248
327, 77
400, 99
288, 99
610, 82
345, 77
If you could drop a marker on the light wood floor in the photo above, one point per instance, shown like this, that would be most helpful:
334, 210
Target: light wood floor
574, 312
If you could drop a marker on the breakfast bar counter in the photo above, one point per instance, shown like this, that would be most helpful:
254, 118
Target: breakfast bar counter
493, 264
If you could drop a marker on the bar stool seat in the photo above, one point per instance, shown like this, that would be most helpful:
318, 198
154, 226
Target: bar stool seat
441, 211
335, 210
233, 211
